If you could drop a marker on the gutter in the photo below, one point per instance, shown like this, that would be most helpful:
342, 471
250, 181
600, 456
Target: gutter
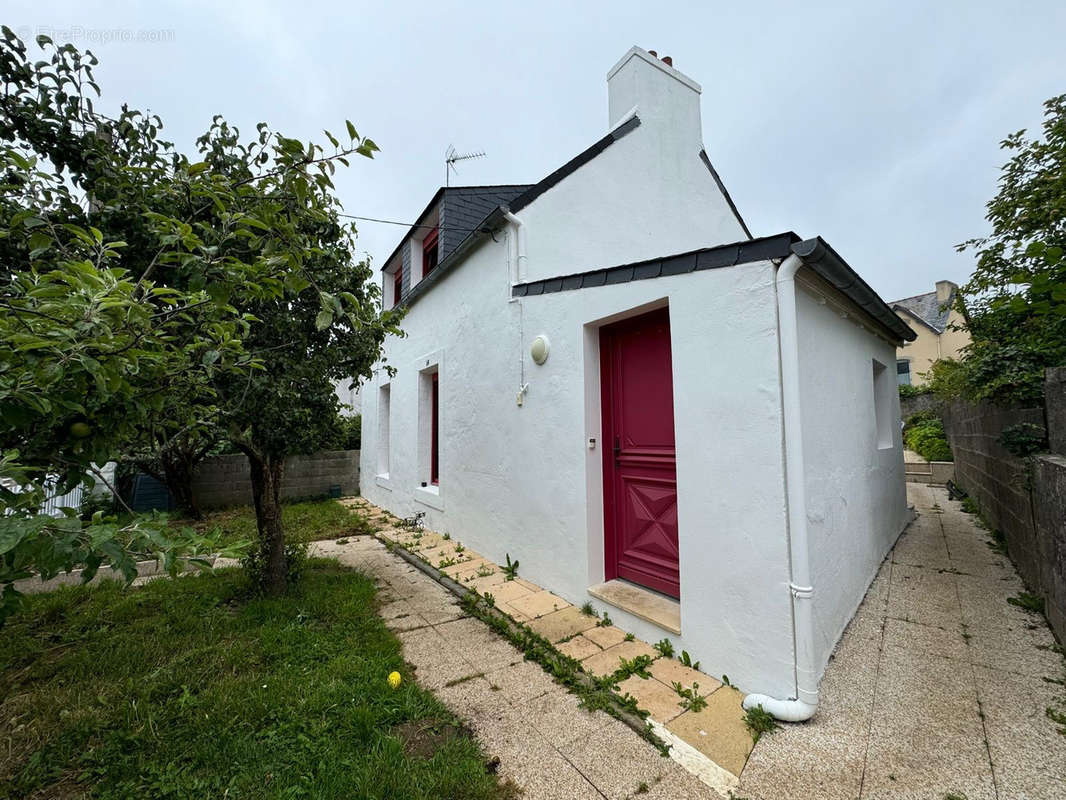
805, 703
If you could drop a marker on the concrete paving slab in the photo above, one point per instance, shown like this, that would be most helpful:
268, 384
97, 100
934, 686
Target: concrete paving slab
1028, 751
669, 670
925, 638
632, 761
509, 590
653, 696
486, 584
605, 636
579, 647
718, 731
926, 737
607, 661
559, 718
519, 683
537, 604
563, 623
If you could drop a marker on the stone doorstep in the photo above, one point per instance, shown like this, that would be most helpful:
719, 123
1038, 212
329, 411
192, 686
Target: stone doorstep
712, 744
649, 606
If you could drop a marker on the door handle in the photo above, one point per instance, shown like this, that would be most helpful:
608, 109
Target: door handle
617, 448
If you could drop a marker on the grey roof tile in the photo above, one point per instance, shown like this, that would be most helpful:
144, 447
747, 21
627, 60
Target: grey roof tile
926, 308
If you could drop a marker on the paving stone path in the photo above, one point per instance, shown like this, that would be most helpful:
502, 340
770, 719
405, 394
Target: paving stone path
546, 743
939, 687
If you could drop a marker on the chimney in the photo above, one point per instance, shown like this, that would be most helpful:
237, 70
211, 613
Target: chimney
661, 94
944, 290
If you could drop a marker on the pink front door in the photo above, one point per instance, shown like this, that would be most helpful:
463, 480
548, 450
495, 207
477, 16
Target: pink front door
639, 465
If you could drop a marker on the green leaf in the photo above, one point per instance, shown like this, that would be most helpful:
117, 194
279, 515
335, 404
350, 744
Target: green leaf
351, 130
210, 357
323, 320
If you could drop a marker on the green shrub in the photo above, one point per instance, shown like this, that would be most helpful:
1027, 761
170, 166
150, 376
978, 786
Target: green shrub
1024, 439
907, 390
924, 434
349, 433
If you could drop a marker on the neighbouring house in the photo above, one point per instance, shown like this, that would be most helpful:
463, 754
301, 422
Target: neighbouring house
348, 394
607, 378
940, 330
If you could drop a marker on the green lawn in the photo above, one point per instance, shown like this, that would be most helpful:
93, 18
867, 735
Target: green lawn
191, 688
307, 522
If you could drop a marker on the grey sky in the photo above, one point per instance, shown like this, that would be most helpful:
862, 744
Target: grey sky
875, 125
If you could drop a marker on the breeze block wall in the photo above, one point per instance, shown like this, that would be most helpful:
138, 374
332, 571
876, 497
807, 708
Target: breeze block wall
1024, 500
225, 481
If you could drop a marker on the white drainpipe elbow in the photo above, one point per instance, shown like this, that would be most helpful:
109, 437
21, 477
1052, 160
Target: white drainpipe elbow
784, 710
520, 246
805, 703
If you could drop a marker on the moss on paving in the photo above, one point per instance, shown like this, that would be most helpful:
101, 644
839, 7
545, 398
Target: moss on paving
193, 688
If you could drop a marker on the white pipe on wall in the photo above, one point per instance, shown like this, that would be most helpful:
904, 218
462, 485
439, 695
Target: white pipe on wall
805, 703
520, 246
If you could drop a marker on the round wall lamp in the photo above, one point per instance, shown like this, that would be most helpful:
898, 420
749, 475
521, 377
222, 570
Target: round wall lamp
539, 349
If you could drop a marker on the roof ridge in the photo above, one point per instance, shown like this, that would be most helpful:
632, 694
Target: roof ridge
912, 297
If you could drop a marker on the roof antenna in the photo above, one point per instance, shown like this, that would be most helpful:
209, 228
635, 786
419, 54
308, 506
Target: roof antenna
451, 156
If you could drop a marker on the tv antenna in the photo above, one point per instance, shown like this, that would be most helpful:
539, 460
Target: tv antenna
451, 156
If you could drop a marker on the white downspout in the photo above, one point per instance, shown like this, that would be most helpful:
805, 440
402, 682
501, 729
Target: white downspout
803, 706
520, 246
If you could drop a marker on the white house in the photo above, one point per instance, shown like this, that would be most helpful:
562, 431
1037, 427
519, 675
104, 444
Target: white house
606, 377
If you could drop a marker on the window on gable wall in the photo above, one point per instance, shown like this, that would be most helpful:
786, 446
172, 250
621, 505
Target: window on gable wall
429, 252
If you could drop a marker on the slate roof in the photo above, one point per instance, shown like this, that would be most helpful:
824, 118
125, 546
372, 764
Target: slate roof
926, 308
463, 208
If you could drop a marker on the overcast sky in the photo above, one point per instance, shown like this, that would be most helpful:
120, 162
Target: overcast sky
874, 125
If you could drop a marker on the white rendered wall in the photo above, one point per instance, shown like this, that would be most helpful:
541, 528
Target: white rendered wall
856, 495
520, 481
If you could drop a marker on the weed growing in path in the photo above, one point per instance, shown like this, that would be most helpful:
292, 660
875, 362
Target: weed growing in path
665, 648
688, 662
691, 699
511, 569
759, 721
1032, 603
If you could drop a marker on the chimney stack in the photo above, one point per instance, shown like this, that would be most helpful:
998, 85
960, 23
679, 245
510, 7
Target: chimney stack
661, 95
944, 290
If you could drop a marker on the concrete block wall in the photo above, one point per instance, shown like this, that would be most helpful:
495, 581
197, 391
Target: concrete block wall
909, 406
1024, 500
226, 480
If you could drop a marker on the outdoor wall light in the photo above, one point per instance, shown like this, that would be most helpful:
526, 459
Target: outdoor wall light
539, 349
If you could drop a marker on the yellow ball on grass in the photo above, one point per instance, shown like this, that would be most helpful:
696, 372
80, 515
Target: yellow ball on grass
395, 680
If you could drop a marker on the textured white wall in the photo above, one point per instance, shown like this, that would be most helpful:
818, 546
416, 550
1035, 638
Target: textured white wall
521, 481
856, 495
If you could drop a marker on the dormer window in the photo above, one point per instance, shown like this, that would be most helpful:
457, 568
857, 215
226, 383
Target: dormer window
429, 252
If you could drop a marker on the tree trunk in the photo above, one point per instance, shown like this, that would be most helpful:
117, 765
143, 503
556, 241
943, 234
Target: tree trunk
266, 494
178, 468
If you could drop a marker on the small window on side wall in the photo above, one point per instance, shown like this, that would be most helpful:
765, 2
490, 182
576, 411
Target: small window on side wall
384, 409
429, 426
883, 391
